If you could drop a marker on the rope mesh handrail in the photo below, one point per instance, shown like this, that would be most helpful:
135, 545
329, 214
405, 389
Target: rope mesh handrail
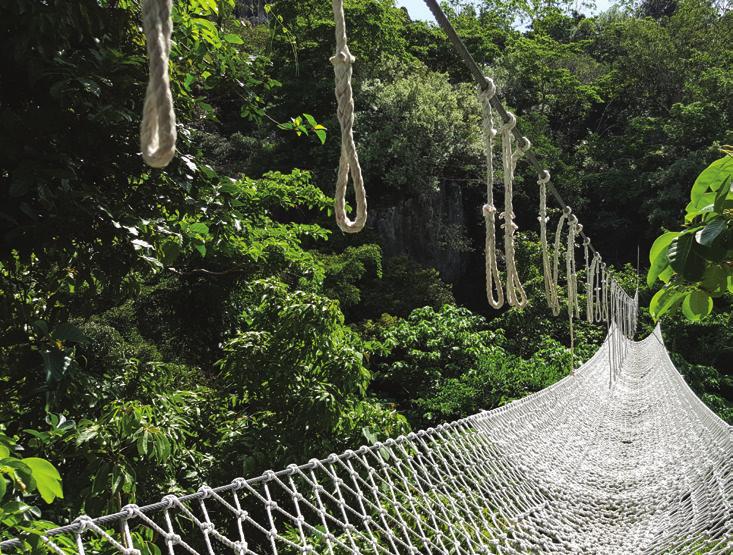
641, 467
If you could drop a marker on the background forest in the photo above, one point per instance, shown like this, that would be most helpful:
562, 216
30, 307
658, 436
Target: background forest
164, 329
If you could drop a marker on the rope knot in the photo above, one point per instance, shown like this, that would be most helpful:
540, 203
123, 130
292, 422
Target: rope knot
488, 210
524, 145
544, 178
510, 124
205, 492
489, 92
343, 57
84, 523
239, 483
130, 510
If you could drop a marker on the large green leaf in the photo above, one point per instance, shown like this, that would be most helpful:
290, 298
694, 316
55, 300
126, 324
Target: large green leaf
47, 478
711, 231
69, 332
715, 280
712, 177
658, 256
697, 303
664, 300
685, 259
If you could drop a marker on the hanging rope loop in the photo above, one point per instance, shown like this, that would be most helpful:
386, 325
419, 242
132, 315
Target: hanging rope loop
550, 279
349, 160
494, 288
572, 276
158, 127
515, 293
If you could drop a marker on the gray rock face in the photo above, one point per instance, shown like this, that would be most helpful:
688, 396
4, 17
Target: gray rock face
434, 229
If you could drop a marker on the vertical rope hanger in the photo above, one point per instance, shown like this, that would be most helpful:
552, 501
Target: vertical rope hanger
515, 294
494, 289
590, 283
555, 278
550, 278
349, 160
597, 297
572, 281
158, 127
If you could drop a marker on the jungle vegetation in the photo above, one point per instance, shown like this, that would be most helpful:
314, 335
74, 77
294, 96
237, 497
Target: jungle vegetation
163, 329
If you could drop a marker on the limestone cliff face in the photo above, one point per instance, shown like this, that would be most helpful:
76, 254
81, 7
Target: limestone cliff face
252, 10
437, 228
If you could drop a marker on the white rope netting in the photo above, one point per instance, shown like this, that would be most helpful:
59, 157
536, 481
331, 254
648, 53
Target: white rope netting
640, 467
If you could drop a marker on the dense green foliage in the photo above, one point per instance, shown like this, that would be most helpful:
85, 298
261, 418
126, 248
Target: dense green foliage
162, 329
697, 264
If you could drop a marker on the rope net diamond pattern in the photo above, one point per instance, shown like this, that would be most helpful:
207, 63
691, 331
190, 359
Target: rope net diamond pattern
640, 467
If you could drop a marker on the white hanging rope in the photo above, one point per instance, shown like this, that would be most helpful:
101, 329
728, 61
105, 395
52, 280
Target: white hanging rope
597, 295
349, 161
158, 127
572, 282
577, 233
515, 294
604, 293
555, 278
590, 282
550, 277
494, 289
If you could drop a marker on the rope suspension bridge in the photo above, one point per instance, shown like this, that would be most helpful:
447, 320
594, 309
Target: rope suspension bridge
643, 467
619, 457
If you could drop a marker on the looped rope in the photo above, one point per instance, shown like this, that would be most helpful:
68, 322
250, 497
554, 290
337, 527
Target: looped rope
597, 296
590, 284
572, 276
604, 294
515, 293
549, 279
587, 262
158, 127
494, 289
349, 161
553, 300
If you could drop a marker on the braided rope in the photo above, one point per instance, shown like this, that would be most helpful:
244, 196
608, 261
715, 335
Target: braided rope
577, 233
494, 289
590, 286
597, 296
572, 279
158, 127
515, 294
555, 278
550, 278
604, 293
349, 160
